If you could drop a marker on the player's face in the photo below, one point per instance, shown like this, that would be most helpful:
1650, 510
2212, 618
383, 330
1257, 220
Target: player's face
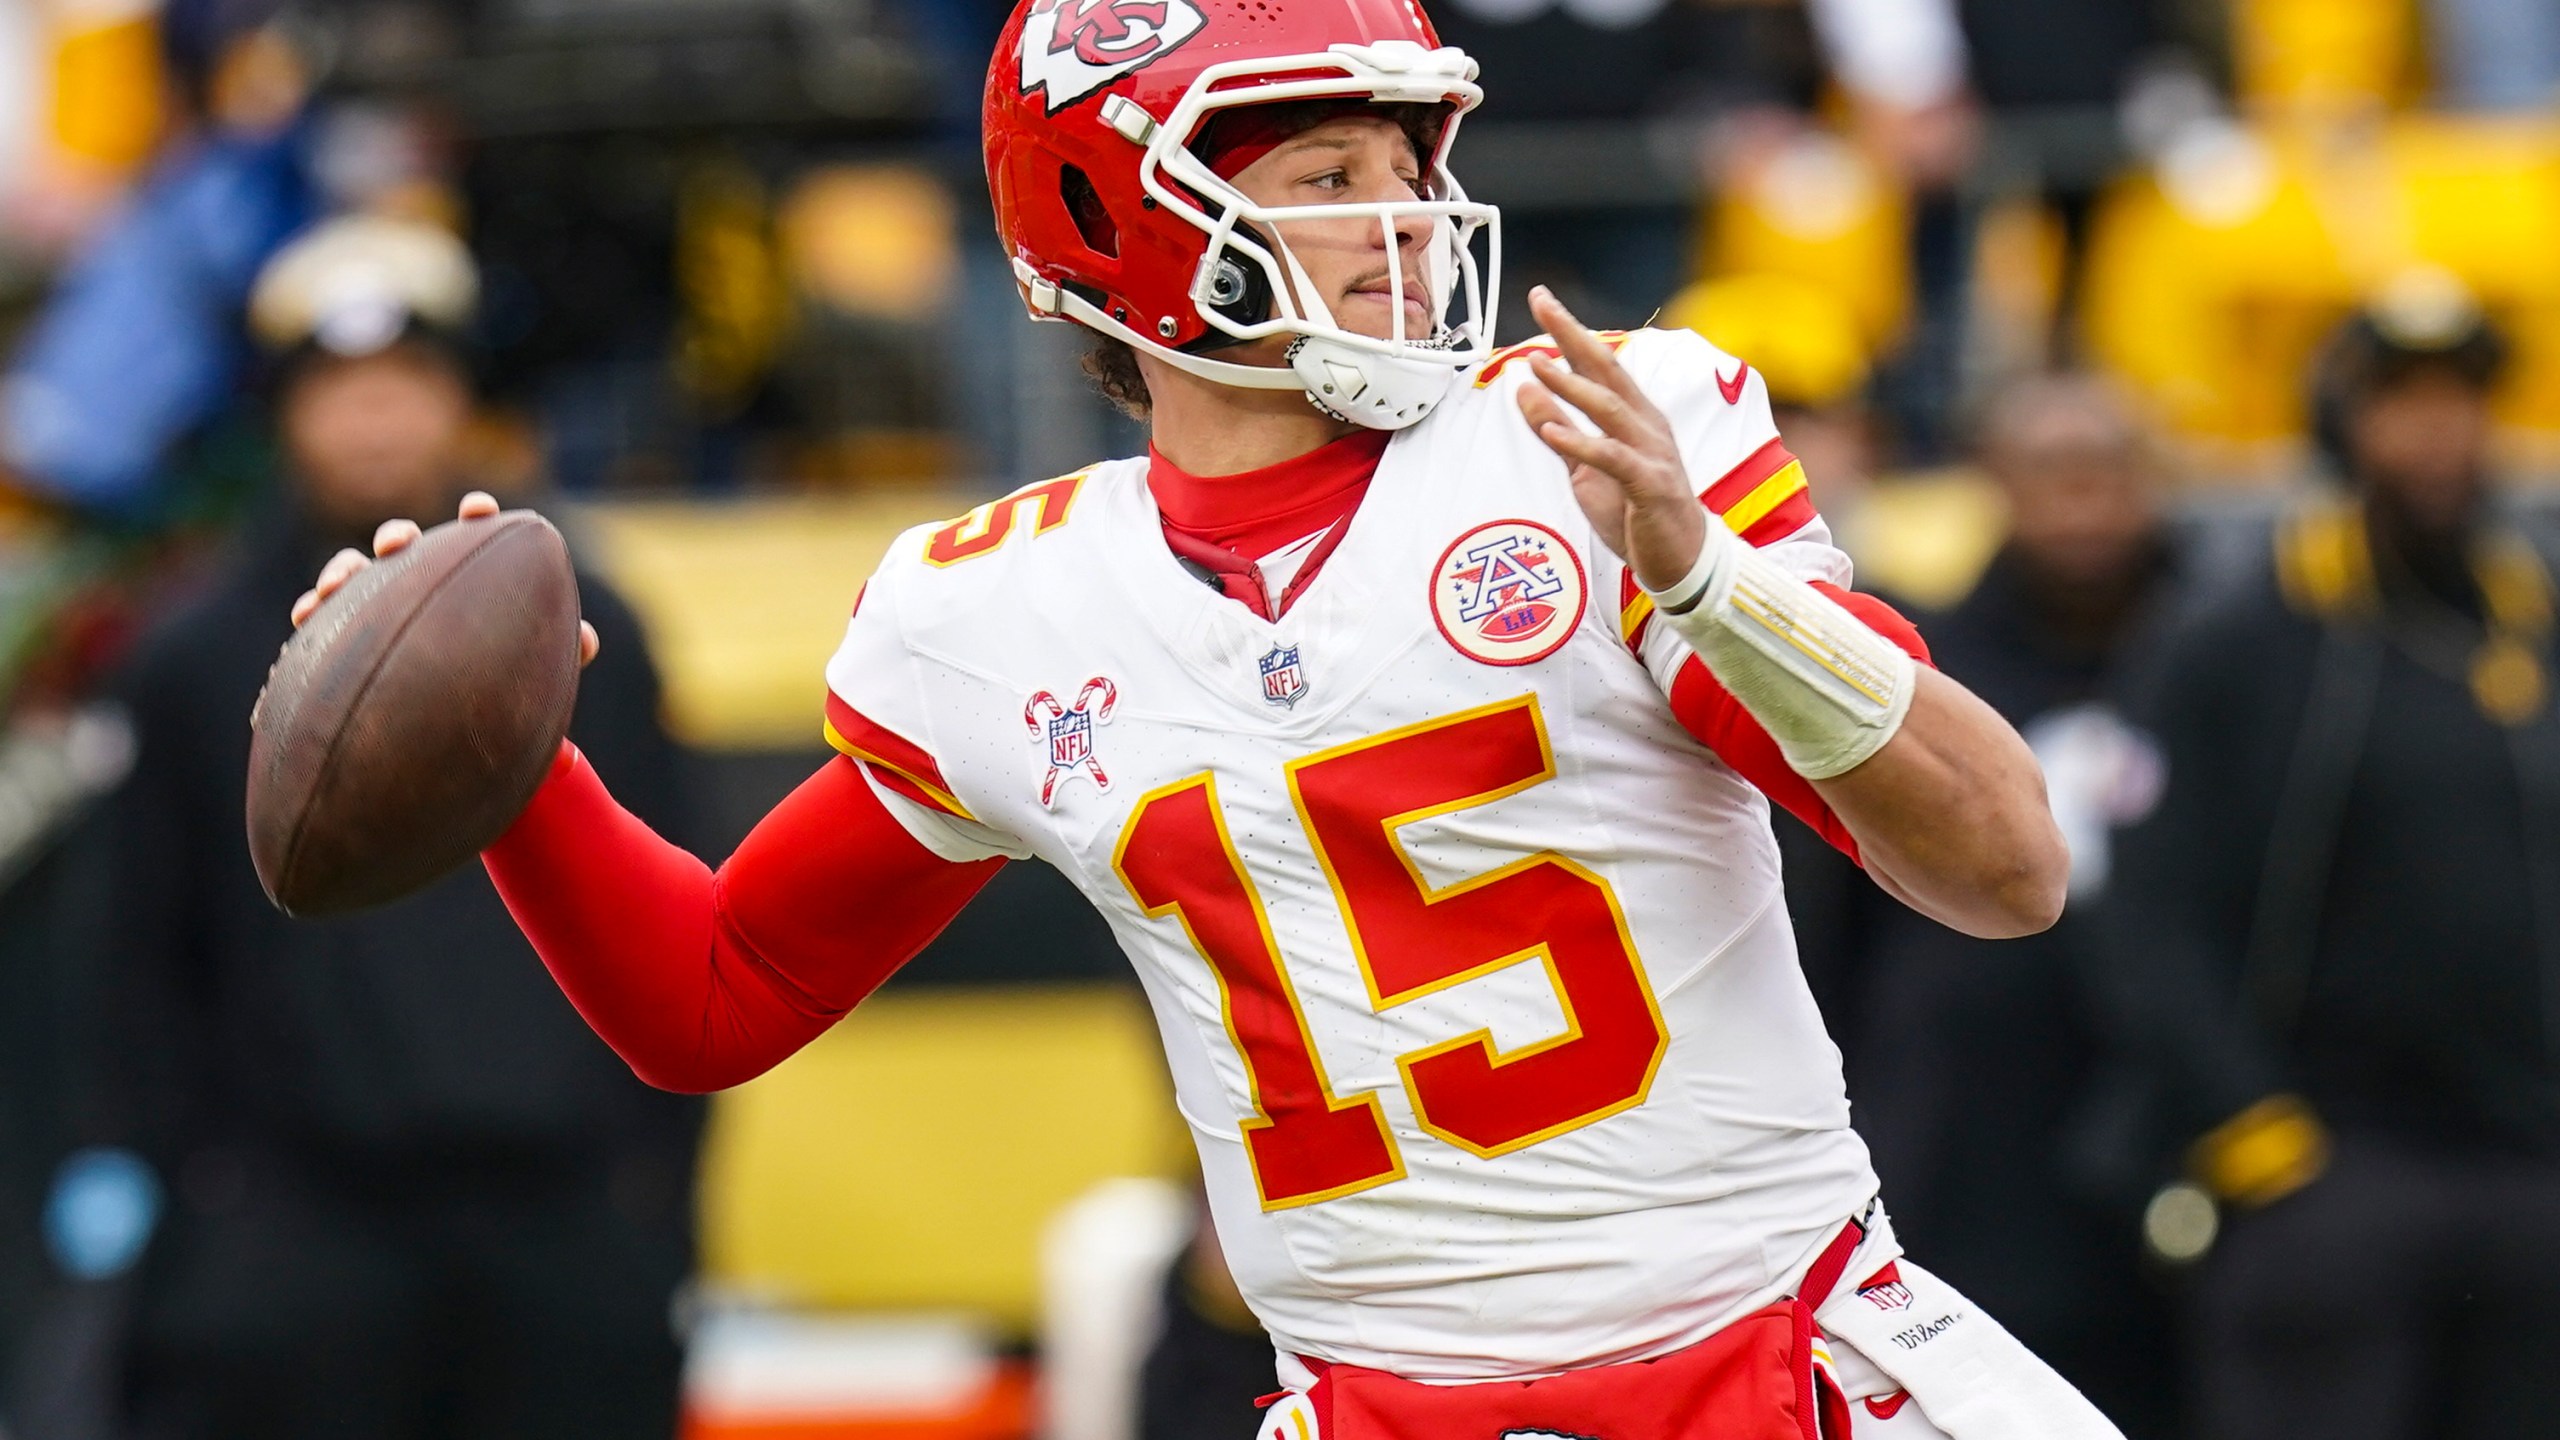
377, 436
1349, 160
2425, 439
2080, 491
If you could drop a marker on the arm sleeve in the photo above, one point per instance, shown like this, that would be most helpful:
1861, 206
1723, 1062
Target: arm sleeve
1719, 410
702, 980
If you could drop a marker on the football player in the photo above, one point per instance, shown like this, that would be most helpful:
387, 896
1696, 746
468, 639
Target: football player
1412, 711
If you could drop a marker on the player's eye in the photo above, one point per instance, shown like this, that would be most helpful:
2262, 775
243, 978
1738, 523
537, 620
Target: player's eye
1329, 180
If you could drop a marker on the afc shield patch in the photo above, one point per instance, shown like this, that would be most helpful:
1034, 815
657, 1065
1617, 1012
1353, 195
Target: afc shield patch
1284, 679
1509, 592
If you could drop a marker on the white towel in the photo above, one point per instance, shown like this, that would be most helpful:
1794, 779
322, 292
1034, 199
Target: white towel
1968, 1375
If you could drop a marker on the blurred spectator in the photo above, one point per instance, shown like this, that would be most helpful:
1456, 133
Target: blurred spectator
1973, 102
139, 344
1971, 1061
1585, 98
2340, 929
408, 1193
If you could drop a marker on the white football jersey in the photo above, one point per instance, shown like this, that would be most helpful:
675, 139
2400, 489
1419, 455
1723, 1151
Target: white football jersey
1473, 969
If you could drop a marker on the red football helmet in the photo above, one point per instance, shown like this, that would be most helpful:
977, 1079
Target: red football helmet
1113, 221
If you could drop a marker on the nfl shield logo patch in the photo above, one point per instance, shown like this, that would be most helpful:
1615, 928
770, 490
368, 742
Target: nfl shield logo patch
1070, 739
1284, 680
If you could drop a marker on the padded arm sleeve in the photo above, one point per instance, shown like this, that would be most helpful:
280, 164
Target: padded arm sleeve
703, 980
1711, 714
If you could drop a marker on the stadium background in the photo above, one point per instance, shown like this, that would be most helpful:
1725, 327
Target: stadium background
741, 323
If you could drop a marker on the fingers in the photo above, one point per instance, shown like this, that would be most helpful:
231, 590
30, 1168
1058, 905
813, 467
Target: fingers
1627, 441
1605, 453
1606, 407
1581, 349
342, 567
390, 538
1558, 429
1541, 408
393, 536
588, 644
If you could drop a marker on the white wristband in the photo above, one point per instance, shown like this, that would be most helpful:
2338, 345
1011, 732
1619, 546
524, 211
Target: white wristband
1829, 690
1687, 592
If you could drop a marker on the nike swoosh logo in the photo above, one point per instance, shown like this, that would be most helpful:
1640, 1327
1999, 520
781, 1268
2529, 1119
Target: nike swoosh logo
1887, 1406
1732, 389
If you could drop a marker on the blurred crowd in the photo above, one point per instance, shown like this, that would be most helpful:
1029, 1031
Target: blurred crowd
2191, 367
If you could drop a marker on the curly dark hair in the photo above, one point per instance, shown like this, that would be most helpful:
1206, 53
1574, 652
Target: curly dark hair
1112, 366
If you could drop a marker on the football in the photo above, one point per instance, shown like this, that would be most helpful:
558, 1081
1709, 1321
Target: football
409, 720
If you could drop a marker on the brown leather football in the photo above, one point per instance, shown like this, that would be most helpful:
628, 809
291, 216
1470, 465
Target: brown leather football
413, 715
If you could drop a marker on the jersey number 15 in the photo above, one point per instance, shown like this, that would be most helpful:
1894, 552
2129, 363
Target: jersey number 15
1308, 1144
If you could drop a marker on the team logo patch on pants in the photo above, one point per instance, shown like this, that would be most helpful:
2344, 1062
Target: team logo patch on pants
1291, 1417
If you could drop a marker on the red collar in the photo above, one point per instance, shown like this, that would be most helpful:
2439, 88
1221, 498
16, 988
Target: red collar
1258, 511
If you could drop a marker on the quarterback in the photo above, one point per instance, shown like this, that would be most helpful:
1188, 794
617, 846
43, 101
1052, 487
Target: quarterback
1412, 711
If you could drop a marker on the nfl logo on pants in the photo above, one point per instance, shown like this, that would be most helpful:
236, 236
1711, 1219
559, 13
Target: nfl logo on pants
1284, 682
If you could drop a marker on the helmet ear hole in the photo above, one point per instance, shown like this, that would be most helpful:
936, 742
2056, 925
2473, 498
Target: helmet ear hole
1085, 207
1238, 290
1226, 283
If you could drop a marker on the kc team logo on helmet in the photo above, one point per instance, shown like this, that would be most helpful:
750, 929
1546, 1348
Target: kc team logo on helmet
1071, 48
1508, 593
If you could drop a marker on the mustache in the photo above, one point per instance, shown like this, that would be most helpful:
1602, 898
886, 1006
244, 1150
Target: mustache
1413, 282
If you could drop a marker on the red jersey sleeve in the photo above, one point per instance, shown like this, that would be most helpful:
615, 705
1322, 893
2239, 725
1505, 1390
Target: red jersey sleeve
701, 980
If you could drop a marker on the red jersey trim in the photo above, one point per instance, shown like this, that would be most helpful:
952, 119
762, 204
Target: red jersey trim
1635, 610
894, 760
1504, 358
1764, 499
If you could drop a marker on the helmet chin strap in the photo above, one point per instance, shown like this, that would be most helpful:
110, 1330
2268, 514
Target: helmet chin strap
1382, 392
